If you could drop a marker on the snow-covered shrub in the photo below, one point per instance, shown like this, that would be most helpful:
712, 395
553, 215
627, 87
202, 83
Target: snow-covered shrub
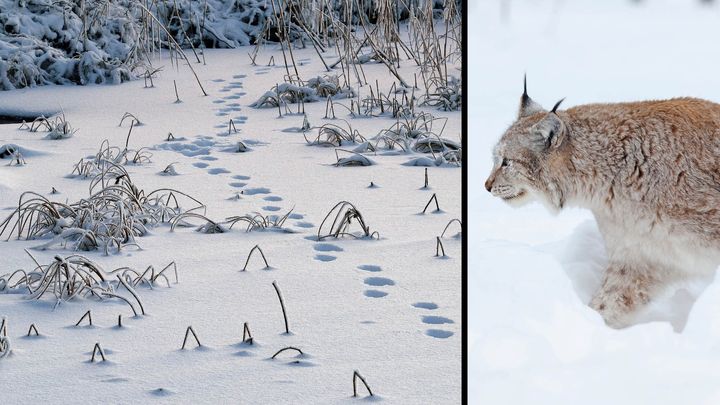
103, 41
44, 42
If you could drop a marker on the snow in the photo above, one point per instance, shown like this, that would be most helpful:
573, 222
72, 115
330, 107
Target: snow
531, 336
352, 304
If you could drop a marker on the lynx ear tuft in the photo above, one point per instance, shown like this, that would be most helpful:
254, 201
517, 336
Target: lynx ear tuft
555, 107
528, 107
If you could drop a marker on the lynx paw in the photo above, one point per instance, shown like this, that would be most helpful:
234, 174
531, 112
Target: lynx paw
614, 310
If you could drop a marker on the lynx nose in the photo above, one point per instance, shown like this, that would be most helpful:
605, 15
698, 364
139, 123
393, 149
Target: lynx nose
489, 184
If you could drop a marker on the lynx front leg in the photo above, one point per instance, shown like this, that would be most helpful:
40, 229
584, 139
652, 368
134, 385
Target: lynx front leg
625, 290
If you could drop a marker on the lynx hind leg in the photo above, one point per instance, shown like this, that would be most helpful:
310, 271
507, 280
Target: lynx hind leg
625, 290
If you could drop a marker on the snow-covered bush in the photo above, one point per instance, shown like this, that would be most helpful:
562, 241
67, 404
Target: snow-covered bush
103, 41
60, 42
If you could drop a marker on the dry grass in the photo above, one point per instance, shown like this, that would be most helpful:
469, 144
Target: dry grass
343, 215
115, 213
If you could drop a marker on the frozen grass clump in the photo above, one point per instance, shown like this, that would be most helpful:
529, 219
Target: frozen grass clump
208, 226
170, 170
329, 86
12, 152
110, 218
355, 159
420, 134
435, 145
5, 347
334, 135
258, 222
447, 97
285, 93
397, 102
321, 87
57, 128
343, 215
253, 222
70, 277
109, 156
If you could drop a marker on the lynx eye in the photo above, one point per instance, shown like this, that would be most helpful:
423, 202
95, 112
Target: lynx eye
504, 162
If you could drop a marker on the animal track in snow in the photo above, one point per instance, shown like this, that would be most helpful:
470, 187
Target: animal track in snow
257, 190
201, 165
241, 177
238, 184
187, 149
375, 293
271, 208
370, 267
327, 247
161, 392
436, 320
272, 198
379, 281
439, 333
325, 258
425, 305
304, 224
218, 170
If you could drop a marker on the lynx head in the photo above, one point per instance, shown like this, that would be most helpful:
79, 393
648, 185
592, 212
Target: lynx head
523, 155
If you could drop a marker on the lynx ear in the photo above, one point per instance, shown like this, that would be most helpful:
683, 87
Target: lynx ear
550, 131
528, 107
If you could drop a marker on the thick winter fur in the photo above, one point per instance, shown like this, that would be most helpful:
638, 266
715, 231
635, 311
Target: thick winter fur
650, 173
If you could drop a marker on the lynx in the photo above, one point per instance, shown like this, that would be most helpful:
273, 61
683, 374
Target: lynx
649, 172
